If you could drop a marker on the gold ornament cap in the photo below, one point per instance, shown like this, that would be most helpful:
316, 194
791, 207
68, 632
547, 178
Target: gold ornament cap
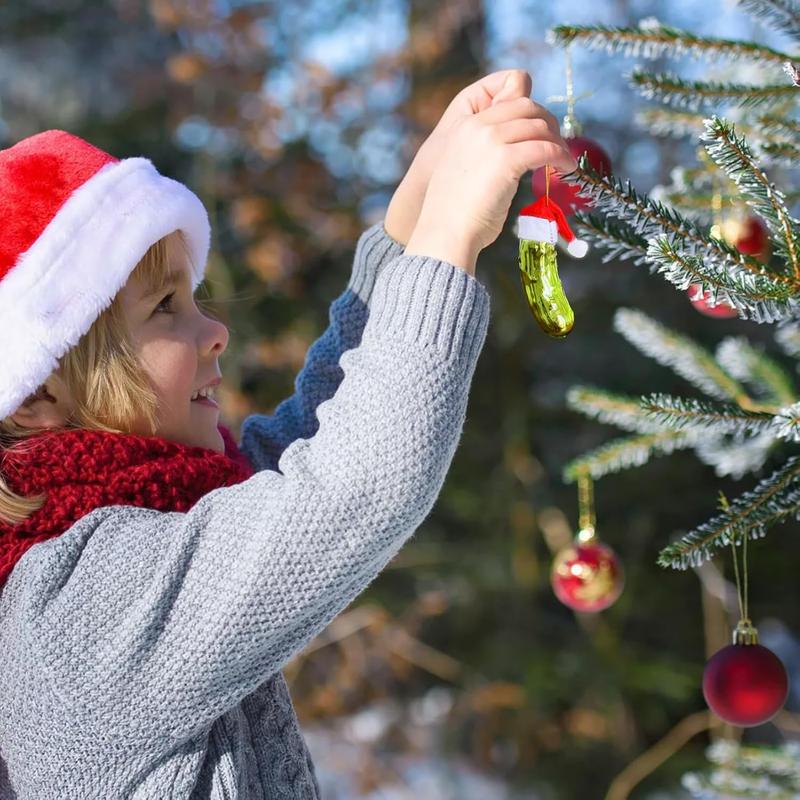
745, 633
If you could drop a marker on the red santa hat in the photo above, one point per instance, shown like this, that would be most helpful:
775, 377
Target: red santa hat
76, 221
544, 221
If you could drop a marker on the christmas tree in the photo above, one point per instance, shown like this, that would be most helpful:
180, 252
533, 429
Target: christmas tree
724, 233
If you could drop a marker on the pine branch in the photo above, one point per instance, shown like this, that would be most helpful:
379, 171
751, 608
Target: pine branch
732, 154
648, 218
697, 206
652, 39
690, 94
682, 413
781, 153
631, 451
757, 297
612, 409
620, 239
678, 352
670, 122
764, 772
771, 125
787, 423
767, 377
734, 455
782, 15
774, 499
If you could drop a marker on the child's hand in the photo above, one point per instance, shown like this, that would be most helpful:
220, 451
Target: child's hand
403, 212
471, 189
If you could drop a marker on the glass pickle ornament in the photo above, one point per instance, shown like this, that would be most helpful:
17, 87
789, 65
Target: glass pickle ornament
540, 225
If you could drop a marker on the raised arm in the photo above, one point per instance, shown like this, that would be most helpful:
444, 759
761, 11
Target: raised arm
265, 436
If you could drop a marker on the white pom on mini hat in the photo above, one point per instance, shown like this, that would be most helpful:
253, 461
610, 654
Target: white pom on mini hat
76, 222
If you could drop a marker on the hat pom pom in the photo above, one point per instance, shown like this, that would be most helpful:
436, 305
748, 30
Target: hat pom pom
577, 248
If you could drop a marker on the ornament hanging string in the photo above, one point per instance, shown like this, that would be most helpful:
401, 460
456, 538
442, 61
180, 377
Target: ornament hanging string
586, 515
569, 119
547, 169
741, 583
569, 124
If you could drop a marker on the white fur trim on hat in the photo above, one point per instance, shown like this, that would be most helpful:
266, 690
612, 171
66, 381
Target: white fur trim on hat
537, 229
84, 256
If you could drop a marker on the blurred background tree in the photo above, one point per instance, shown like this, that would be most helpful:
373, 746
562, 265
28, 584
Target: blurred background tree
457, 673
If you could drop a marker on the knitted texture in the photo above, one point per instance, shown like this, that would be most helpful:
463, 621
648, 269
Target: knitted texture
80, 470
141, 650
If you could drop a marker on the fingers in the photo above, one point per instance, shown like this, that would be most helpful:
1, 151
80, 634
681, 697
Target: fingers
516, 108
505, 84
532, 154
520, 130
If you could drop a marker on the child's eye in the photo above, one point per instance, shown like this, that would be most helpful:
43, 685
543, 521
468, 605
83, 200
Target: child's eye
166, 300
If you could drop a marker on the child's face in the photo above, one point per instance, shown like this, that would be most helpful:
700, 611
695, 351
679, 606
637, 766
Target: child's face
179, 348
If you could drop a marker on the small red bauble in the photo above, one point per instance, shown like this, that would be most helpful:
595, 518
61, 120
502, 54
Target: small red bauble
587, 576
700, 301
563, 193
748, 235
745, 684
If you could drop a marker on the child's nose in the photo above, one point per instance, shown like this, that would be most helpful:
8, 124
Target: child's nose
216, 336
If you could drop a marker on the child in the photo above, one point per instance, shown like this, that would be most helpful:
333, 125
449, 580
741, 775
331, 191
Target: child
156, 578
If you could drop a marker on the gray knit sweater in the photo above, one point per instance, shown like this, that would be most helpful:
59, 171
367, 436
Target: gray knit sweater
141, 651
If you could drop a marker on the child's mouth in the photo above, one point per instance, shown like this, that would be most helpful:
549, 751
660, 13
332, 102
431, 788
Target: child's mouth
206, 401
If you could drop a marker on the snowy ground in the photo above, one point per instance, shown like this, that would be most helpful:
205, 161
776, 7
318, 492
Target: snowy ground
353, 761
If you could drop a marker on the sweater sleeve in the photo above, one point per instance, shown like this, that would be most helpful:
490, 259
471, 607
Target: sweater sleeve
152, 624
265, 436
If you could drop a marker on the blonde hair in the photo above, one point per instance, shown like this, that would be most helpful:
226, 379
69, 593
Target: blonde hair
103, 376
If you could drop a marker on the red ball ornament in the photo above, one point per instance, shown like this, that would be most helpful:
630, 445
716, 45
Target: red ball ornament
587, 576
749, 235
744, 683
564, 194
700, 301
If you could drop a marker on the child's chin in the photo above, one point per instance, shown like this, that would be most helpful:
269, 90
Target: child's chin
212, 442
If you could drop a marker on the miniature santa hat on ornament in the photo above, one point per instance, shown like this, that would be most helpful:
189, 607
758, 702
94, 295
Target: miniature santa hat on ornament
76, 222
544, 221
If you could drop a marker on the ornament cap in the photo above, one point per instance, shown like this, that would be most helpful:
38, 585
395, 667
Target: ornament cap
745, 633
587, 534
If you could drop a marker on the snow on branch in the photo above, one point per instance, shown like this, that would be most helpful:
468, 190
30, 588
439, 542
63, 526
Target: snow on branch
678, 352
692, 94
774, 499
652, 39
613, 409
630, 451
732, 154
762, 298
782, 15
682, 413
645, 219
754, 367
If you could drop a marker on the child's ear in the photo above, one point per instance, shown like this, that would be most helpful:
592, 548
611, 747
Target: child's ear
49, 407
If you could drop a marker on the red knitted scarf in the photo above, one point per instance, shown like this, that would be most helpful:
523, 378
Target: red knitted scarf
81, 470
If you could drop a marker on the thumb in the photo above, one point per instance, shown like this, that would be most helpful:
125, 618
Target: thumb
517, 84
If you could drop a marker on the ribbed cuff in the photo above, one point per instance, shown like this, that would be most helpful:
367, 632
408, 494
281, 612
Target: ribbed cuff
375, 248
432, 303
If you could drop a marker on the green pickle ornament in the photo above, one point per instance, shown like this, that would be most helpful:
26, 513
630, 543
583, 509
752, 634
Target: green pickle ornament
540, 225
